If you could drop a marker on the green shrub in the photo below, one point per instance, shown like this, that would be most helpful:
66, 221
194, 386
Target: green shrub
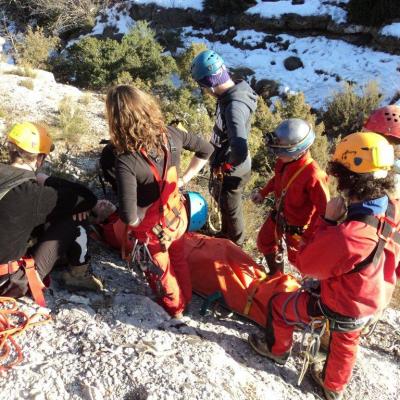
224, 7
35, 48
184, 62
97, 63
27, 83
347, 110
73, 122
180, 104
373, 12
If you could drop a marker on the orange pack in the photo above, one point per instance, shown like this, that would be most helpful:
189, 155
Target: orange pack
218, 265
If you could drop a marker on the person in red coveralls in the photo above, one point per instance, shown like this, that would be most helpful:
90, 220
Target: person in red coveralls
300, 189
355, 262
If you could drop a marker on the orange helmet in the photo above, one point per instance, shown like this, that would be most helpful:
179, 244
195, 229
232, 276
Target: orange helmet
31, 138
365, 152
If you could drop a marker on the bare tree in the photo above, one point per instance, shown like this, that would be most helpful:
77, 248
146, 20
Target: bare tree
63, 15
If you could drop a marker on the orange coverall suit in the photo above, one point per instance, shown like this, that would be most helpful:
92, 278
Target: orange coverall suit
352, 288
305, 199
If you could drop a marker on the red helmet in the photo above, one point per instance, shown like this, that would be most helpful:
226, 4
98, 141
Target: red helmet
385, 120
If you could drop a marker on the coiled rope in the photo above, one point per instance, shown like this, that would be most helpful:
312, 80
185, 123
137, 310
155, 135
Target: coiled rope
12, 323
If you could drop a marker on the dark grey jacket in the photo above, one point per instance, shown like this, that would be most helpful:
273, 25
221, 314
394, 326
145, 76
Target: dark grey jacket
232, 127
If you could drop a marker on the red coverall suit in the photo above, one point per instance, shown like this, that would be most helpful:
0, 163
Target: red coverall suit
166, 217
351, 287
305, 199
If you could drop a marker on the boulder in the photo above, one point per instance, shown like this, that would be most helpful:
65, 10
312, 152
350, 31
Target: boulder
295, 2
266, 88
292, 63
241, 73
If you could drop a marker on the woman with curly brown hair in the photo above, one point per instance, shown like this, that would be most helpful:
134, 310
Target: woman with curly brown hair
354, 253
147, 168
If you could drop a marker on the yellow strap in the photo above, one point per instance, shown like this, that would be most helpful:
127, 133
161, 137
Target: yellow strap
250, 297
296, 174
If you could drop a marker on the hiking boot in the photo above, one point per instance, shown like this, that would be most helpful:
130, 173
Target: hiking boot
81, 277
261, 347
316, 374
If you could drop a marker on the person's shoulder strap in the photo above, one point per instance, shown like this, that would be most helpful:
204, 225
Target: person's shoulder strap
13, 185
387, 230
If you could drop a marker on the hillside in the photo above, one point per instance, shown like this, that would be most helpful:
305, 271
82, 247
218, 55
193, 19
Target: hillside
121, 344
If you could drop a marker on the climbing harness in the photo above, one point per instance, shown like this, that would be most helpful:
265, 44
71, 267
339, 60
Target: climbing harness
312, 331
215, 189
281, 227
141, 258
36, 285
12, 323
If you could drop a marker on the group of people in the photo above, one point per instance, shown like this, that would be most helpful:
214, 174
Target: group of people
349, 243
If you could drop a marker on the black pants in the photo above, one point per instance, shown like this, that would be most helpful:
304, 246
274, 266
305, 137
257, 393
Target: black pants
231, 207
64, 238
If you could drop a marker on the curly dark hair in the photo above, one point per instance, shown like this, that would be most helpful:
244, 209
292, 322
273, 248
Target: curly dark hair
135, 120
361, 186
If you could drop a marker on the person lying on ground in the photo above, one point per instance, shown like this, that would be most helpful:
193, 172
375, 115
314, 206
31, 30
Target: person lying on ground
46, 210
300, 190
150, 205
353, 253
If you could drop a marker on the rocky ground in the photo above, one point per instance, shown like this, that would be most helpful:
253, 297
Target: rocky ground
122, 345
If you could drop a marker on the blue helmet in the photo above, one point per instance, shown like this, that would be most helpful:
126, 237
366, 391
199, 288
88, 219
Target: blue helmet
206, 63
291, 138
197, 210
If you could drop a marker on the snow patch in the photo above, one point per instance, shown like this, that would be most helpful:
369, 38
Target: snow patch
391, 30
250, 37
310, 8
327, 64
195, 4
115, 17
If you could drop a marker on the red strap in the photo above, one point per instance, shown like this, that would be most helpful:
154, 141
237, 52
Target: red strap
35, 283
10, 268
160, 180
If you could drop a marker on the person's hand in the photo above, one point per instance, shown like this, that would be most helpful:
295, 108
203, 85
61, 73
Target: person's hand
80, 216
257, 197
335, 209
41, 178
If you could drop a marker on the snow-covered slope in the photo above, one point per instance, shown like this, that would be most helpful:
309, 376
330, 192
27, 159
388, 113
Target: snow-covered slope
309, 8
327, 63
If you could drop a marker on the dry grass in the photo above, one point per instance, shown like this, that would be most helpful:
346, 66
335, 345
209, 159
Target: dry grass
22, 71
27, 83
73, 123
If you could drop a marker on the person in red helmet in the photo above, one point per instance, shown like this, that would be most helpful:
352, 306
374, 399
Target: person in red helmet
300, 189
386, 121
355, 262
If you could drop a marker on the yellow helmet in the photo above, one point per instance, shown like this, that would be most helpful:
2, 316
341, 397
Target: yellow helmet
31, 137
365, 152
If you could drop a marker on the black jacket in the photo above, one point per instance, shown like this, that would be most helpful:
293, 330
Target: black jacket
232, 126
29, 205
136, 184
